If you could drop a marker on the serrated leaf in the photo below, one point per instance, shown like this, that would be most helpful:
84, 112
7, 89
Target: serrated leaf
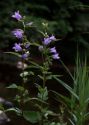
43, 93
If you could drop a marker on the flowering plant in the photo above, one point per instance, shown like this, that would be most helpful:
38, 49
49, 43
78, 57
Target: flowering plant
40, 110
36, 108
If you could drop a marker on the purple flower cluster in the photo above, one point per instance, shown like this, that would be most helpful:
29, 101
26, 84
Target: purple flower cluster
55, 55
48, 40
18, 33
20, 48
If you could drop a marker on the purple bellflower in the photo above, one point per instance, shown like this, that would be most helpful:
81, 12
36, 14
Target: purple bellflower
17, 47
25, 55
17, 16
52, 38
48, 40
55, 56
18, 33
53, 50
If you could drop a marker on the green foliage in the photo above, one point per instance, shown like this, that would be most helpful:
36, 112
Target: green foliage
78, 103
42, 93
32, 116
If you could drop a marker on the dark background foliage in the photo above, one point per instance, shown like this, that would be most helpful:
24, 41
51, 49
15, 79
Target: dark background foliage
68, 20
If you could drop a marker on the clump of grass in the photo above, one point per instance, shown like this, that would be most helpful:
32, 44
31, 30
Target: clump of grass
78, 102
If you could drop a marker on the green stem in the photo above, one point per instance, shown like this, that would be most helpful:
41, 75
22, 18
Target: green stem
23, 77
44, 77
44, 81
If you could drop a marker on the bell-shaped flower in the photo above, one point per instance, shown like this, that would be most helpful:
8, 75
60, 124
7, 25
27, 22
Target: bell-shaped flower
53, 50
18, 33
55, 56
48, 40
25, 55
17, 16
17, 47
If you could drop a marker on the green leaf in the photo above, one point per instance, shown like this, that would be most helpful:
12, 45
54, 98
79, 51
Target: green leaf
1, 107
41, 77
32, 67
35, 44
35, 99
35, 64
67, 87
63, 99
13, 53
43, 93
13, 86
16, 110
31, 116
24, 74
51, 76
72, 123
86, 116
